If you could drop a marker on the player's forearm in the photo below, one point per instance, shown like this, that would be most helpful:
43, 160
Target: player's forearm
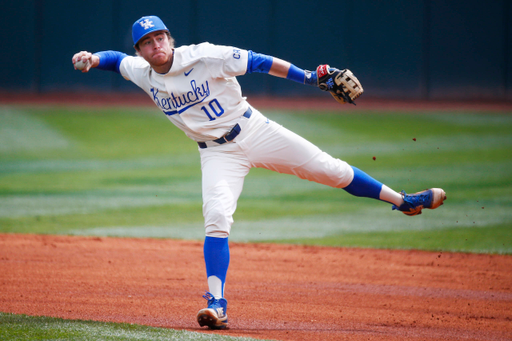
103, 60
110, 60
279, 68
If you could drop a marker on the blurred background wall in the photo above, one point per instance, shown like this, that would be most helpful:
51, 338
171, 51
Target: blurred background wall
400, 49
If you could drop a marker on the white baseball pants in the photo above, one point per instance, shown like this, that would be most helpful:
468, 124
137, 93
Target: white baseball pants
265, 144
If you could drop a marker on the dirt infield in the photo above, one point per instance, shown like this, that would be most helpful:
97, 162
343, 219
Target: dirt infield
277, 292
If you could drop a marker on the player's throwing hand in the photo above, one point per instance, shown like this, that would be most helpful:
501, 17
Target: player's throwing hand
84, 61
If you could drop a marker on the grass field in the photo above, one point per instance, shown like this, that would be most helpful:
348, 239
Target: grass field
21, 327
130, 172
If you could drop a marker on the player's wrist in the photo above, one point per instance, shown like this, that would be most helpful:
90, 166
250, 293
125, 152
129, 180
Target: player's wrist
95, 60
302, 76
311, 78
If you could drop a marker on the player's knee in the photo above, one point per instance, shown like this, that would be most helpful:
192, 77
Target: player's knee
217, 221
218, 209
327, 170
213, 231
218, 224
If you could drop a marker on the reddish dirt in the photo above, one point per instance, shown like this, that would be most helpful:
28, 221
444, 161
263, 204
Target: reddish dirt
276, 292
319, 102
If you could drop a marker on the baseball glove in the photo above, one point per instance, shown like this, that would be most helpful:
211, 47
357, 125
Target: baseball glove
342, 84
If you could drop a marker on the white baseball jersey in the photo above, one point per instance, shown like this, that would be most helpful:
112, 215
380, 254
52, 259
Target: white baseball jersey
200, 93
202, 97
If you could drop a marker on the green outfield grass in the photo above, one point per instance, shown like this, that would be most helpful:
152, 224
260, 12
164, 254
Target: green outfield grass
130, 172
22, 327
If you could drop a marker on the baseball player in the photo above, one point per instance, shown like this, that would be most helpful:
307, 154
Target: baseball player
196, 88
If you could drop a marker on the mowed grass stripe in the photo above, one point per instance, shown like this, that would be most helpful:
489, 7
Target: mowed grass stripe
377, 219
130, 172
22, 131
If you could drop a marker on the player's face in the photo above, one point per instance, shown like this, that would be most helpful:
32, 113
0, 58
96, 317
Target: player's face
156, 50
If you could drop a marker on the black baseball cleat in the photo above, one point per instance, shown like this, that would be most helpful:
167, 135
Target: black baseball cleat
214, 316
414, 203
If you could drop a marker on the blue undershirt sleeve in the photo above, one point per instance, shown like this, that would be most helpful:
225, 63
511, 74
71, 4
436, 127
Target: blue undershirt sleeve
110, 60
258, 62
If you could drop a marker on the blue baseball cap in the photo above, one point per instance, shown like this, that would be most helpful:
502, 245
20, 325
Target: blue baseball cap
146, 25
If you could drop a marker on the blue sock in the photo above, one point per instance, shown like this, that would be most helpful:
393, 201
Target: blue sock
364, 185
216, 258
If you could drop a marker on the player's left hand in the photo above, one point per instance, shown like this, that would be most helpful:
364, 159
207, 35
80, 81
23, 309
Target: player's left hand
342, 84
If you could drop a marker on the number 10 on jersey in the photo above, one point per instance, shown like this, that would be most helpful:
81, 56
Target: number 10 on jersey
214, 109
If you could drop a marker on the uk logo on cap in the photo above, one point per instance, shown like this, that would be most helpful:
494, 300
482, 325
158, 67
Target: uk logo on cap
146, 25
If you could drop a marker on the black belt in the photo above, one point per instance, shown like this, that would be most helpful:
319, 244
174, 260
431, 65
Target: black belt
230, 136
